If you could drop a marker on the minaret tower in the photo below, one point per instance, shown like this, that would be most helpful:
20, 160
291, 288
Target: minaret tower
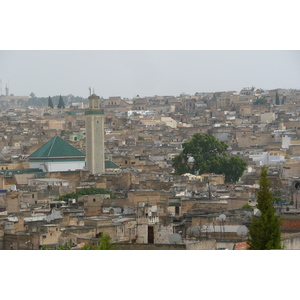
94, 124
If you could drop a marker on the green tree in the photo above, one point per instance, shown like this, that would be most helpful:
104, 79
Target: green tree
264, 229
61, 103
50, 103
205, 154
66, 246
85, 191
234, 169
260, 101
105, 244
277, 101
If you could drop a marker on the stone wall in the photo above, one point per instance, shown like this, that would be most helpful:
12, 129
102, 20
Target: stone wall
291, 242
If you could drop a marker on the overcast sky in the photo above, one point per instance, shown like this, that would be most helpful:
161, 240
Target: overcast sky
146, 73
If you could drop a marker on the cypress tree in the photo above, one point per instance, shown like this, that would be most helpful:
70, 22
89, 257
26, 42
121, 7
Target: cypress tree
50, 103
277, 101
264, 230
61, 103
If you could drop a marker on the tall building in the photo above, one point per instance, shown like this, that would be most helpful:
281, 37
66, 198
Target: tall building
94, 121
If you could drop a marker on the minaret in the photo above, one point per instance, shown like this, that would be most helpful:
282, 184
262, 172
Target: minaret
94, 124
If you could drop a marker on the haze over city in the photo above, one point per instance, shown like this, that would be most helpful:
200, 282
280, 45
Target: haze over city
145, 73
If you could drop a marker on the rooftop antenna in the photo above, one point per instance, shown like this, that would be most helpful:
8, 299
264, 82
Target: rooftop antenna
93, 91
175, 238
90, 90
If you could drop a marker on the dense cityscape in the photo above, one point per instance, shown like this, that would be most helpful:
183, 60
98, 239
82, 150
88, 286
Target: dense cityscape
78, 172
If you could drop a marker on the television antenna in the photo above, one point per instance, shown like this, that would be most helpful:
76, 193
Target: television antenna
175, 238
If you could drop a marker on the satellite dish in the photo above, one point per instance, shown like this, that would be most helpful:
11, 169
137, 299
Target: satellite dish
115, 239
248, 214
257, 213
113, 204
194, 231
242, 231
175, 238
222, 218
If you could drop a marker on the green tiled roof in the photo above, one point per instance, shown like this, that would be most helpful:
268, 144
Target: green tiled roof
11, 173
56, 147
110, 165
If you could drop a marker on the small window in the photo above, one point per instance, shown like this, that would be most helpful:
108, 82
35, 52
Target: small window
32, 196
44, 236
94, 200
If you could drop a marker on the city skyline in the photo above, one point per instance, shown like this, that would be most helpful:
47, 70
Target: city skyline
128, 73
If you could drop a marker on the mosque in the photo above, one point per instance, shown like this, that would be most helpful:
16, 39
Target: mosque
58, 155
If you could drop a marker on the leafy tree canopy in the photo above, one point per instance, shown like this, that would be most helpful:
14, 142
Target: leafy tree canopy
260, 101
264, 230
205, 154
105, 244
85, 191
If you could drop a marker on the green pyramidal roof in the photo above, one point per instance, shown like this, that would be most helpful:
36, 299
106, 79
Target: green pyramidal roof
55, 148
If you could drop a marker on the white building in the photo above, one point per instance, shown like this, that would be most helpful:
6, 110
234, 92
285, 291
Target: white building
57, 155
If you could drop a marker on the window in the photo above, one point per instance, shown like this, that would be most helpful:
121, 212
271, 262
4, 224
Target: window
94, 200
32, 196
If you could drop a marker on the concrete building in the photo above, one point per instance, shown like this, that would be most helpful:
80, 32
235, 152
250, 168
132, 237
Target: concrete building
95, 162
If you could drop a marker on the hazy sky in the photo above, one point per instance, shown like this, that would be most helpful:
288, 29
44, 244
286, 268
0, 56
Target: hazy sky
146, 73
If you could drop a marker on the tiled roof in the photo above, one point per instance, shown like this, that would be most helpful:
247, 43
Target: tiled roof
12, 172
56, 147
110, 165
